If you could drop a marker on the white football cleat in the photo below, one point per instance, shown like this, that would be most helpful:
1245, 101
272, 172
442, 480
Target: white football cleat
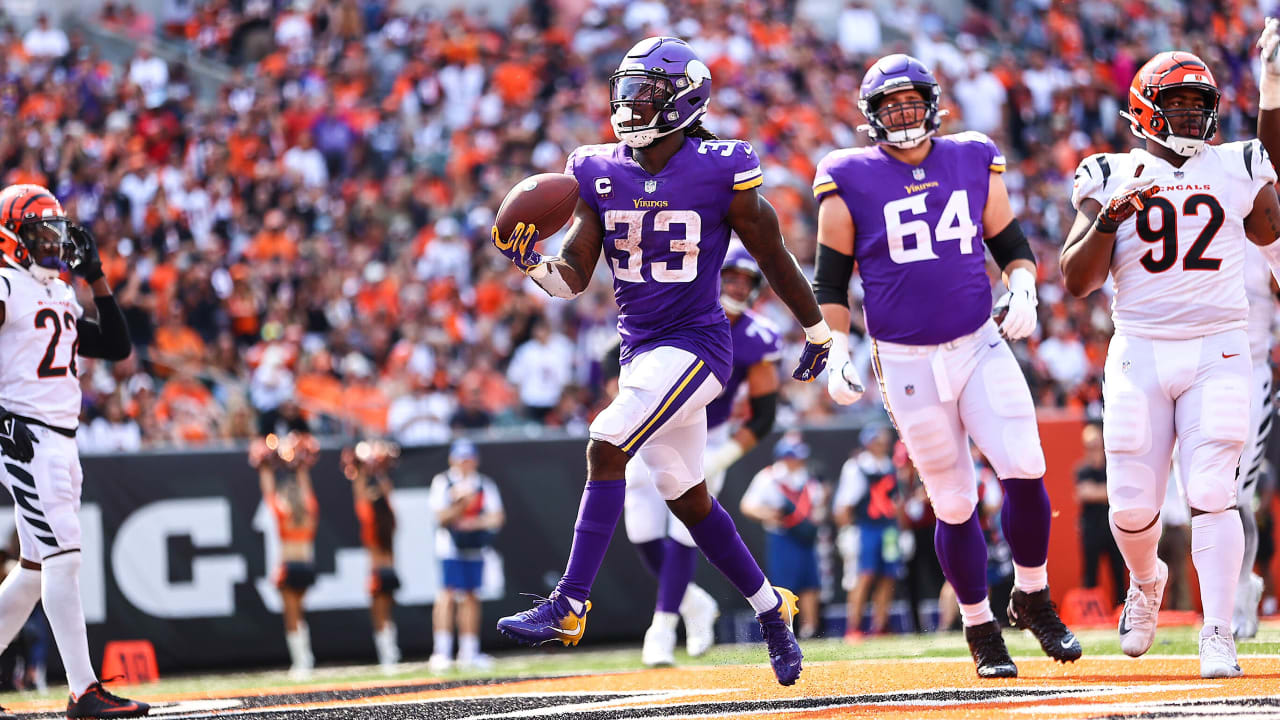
1244, 622
440, 663
660, 641
1141, 613
699, 611
1218, 654
479, 661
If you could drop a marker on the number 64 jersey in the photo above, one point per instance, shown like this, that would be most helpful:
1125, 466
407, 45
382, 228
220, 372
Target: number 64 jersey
1178, 264
38, 338
665, 238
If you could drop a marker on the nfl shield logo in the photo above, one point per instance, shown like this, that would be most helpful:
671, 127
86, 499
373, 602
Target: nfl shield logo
918, 173
1178, 173
911, 389
1124, 366
650, 186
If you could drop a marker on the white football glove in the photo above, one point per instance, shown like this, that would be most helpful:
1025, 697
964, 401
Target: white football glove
844, 385
1269, 78
1020, 320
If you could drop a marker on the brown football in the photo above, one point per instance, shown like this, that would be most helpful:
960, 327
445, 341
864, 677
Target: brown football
547, 200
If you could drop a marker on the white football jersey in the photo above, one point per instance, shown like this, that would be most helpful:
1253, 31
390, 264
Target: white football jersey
1178, 265
39, 337
1262, 305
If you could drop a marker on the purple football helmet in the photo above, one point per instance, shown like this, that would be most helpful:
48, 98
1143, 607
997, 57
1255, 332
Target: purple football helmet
739, 259
665, 74
890, 74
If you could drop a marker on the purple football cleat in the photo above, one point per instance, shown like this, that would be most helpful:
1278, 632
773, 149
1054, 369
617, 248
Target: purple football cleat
784, 651
551, 619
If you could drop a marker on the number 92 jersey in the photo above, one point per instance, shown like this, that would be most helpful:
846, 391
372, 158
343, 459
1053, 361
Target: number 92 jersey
665, 237
918, 237
1178, 264
38, 364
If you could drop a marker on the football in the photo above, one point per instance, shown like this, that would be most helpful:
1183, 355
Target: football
547, 200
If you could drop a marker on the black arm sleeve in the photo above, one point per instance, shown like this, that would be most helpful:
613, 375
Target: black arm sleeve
611, 363
831, 276
108, 337
764, 409
1010, 244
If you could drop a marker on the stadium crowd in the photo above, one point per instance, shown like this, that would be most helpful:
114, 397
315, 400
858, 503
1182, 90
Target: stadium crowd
314, 243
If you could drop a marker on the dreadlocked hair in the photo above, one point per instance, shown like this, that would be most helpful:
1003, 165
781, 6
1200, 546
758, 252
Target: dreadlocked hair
698, 132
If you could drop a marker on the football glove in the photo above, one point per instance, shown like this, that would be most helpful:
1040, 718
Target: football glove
1020, 317
90, 265
813, 358
1269, 78
519, 248
16, 439
844, 384
1125, 201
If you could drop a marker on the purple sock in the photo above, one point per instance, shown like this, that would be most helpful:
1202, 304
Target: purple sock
651, 555
1025, 520
962, 552
718, 539
597, 517
677, 573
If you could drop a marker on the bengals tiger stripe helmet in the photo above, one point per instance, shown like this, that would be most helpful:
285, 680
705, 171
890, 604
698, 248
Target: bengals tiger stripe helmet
34, 232
1147, 116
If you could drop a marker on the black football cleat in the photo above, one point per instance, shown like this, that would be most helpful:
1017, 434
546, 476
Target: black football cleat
1037, 613
97, 702
988, 651
6, 715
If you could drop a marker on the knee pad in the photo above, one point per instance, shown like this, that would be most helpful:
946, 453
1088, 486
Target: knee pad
953, 500
1134, 494
1023, 454
930, 441
669, 469
1211, 482
613, 423
1224, 409
645, 514
64, 522
1134, 519
1125, 427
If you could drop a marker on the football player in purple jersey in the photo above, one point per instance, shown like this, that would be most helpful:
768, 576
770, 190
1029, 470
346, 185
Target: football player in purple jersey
665, 545
910, 210
660, 205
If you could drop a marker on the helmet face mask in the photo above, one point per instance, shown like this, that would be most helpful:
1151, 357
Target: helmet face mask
905, 122
660, 88
1173, 101
49, 243
39, 234
740, 281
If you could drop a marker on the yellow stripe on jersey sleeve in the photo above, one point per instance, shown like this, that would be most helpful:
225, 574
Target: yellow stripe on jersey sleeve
997, 168
748, 184
819, 190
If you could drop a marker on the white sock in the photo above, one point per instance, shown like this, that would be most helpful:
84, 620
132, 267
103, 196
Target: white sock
764, 599
468, 647
60, 591
384, 641
19, 594
1139, 551
976, 614
1217, 546
665, 620
299, 642
443, 644
577, 605
1030, 579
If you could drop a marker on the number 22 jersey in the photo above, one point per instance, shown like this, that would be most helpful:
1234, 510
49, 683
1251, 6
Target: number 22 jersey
1178, 264
38, 349
665, 238
918, 235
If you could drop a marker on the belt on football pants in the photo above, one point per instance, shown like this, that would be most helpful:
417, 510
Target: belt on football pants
32, 421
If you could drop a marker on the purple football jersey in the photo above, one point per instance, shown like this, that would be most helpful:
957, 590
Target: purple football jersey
918, 237
754, 340
665, 237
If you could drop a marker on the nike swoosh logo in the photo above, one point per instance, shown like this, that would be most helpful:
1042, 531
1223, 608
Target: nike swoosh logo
1068, 641
994, 344
1227, 357
576, 631
1124, 624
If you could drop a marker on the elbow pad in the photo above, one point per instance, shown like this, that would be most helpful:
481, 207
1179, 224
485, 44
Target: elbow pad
1010, 244
764, 410
548, 277
831, 276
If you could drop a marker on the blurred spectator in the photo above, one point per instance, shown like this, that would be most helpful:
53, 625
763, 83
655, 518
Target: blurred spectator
367, 465
44, 42
420, 416
1096, 539
790, 502
867, 500
540, 369
468, 513
110, 432
150, 74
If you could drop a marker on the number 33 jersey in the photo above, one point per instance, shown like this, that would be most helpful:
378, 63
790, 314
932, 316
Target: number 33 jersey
38, 363
1178, 264
918, 235
665, 238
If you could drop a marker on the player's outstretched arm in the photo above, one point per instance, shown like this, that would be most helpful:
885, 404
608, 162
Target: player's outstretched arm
567, 275
1269, 89
756, 222
106, 338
